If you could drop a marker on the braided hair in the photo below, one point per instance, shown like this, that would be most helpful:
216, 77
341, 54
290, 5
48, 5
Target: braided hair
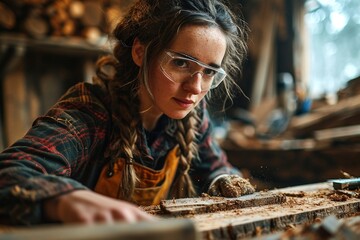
155, 24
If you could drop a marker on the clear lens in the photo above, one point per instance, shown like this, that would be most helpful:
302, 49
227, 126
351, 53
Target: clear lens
178, 68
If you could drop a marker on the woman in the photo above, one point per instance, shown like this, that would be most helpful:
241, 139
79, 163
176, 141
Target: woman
139, 136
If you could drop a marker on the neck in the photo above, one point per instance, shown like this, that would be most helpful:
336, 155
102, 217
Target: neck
149, 121
149, 113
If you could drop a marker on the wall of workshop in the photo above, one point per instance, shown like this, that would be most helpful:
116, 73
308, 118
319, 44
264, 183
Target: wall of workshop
45, 47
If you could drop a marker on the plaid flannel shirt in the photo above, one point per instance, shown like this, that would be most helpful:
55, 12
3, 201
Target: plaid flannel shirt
63, 151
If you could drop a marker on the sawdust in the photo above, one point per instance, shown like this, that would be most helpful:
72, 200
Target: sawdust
298, 200
244, 185
231, 186
237, 187
333, 195
338, 197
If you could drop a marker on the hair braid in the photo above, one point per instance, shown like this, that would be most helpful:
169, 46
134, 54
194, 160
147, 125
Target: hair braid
185, 136
125, 117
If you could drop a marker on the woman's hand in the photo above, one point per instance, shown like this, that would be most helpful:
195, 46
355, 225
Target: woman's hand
231, 186
83, 206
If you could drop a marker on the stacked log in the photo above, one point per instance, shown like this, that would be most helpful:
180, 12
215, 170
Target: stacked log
88, 19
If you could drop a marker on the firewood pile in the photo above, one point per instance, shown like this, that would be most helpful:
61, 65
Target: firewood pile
39, 19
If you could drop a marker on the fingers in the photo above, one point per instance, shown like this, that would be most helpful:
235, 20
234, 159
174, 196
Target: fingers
104, 217
126, 215
128, 212
87, 207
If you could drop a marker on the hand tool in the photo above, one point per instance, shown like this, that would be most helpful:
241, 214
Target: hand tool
351, 183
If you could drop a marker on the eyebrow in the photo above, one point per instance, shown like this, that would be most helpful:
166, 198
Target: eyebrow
214, 65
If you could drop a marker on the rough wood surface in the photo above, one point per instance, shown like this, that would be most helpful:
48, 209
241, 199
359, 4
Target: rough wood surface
207, 204
304, 205
330, 228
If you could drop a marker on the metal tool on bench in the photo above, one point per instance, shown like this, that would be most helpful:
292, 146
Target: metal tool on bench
349, 184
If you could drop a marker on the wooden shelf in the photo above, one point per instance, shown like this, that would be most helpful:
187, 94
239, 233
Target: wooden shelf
56, 44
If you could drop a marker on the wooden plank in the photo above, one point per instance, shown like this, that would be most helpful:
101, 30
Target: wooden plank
304, 205
301, 207
337, 133
264, 58
57, 45
208, 204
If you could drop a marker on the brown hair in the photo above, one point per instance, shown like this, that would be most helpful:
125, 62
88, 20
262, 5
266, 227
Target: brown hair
155, 23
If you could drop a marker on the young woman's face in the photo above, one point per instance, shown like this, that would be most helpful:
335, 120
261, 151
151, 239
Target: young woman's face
177, 98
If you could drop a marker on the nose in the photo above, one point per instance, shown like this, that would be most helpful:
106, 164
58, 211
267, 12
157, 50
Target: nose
193, 84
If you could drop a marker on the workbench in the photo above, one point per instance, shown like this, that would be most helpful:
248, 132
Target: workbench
263, 215
264, 212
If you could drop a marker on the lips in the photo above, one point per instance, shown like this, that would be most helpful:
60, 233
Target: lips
184, 102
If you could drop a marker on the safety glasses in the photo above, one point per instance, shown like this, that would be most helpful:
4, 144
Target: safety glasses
179, 67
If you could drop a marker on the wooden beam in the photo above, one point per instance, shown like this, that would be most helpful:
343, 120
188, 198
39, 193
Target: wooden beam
264, 58
337, 133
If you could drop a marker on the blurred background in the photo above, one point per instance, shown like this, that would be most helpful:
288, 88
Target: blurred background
296, 121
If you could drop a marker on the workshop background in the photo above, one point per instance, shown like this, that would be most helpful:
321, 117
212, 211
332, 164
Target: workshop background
296, 122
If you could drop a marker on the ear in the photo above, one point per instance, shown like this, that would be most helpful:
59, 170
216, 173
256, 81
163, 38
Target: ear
137, 52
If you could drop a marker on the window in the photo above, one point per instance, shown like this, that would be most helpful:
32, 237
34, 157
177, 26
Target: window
334, 32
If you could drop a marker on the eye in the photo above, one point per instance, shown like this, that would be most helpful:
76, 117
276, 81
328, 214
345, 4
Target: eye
209, 72
180, 63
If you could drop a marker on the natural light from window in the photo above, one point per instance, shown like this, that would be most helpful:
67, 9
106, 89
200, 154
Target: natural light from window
334, 31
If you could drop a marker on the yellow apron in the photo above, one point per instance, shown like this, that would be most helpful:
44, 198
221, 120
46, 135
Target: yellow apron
153, 185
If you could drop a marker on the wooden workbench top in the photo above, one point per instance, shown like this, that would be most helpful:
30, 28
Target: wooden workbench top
280, 209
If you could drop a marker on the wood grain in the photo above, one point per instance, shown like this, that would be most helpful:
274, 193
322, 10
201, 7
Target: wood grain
304, 205
207, 204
